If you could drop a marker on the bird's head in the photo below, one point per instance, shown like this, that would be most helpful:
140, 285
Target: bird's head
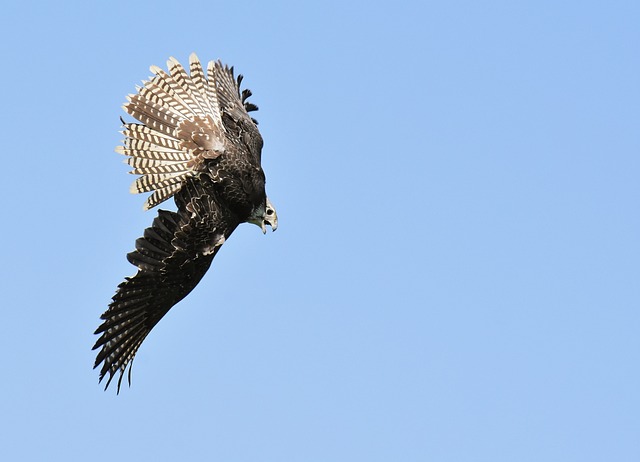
265, 215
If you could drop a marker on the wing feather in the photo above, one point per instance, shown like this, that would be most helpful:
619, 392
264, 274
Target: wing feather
181, 126
234, 109
160, 195
200, 80
173, 167
172, 256
141, 162
138, 132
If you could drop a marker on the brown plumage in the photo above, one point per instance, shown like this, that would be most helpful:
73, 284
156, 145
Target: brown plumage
197, 143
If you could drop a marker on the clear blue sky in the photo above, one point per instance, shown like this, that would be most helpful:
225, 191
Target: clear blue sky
456, 272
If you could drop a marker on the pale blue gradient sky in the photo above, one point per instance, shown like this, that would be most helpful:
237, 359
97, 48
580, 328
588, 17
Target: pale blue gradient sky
455, 276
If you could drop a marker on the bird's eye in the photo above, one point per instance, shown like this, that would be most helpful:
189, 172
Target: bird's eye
269, 212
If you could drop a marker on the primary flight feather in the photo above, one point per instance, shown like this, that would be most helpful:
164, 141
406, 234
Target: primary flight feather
196, 143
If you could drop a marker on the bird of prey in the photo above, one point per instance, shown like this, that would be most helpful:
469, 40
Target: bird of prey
196, 143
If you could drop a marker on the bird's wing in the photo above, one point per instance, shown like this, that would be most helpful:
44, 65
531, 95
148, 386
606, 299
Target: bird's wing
181, 126
172, 257
240, 127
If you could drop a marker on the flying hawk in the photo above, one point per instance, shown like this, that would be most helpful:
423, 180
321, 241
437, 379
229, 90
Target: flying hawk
196, 143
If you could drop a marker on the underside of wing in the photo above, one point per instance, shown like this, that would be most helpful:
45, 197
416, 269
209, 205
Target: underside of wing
180, 127
172, 257
235, 108
231, 100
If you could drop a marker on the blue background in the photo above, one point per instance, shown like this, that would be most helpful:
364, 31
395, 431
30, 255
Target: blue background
456, 272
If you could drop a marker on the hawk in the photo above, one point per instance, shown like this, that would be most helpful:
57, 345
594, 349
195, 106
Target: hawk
196, 143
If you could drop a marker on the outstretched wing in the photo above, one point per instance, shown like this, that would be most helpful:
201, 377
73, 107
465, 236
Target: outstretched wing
240, 128
181, 126
172, 257
185, 119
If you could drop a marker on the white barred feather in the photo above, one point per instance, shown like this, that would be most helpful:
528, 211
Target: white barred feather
142, 162
154, 181
195, 101
153, 115
160, 195
178, 167
213, 95
161, 145
181, 124
144, 133
159, 155
158, 90
171, 87
200, 81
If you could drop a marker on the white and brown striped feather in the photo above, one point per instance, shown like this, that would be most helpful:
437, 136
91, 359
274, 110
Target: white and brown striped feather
181, 125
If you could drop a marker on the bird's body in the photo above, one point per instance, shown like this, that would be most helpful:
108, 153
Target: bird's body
197, 143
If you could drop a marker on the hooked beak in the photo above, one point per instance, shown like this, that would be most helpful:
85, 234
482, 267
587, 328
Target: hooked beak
270, 218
